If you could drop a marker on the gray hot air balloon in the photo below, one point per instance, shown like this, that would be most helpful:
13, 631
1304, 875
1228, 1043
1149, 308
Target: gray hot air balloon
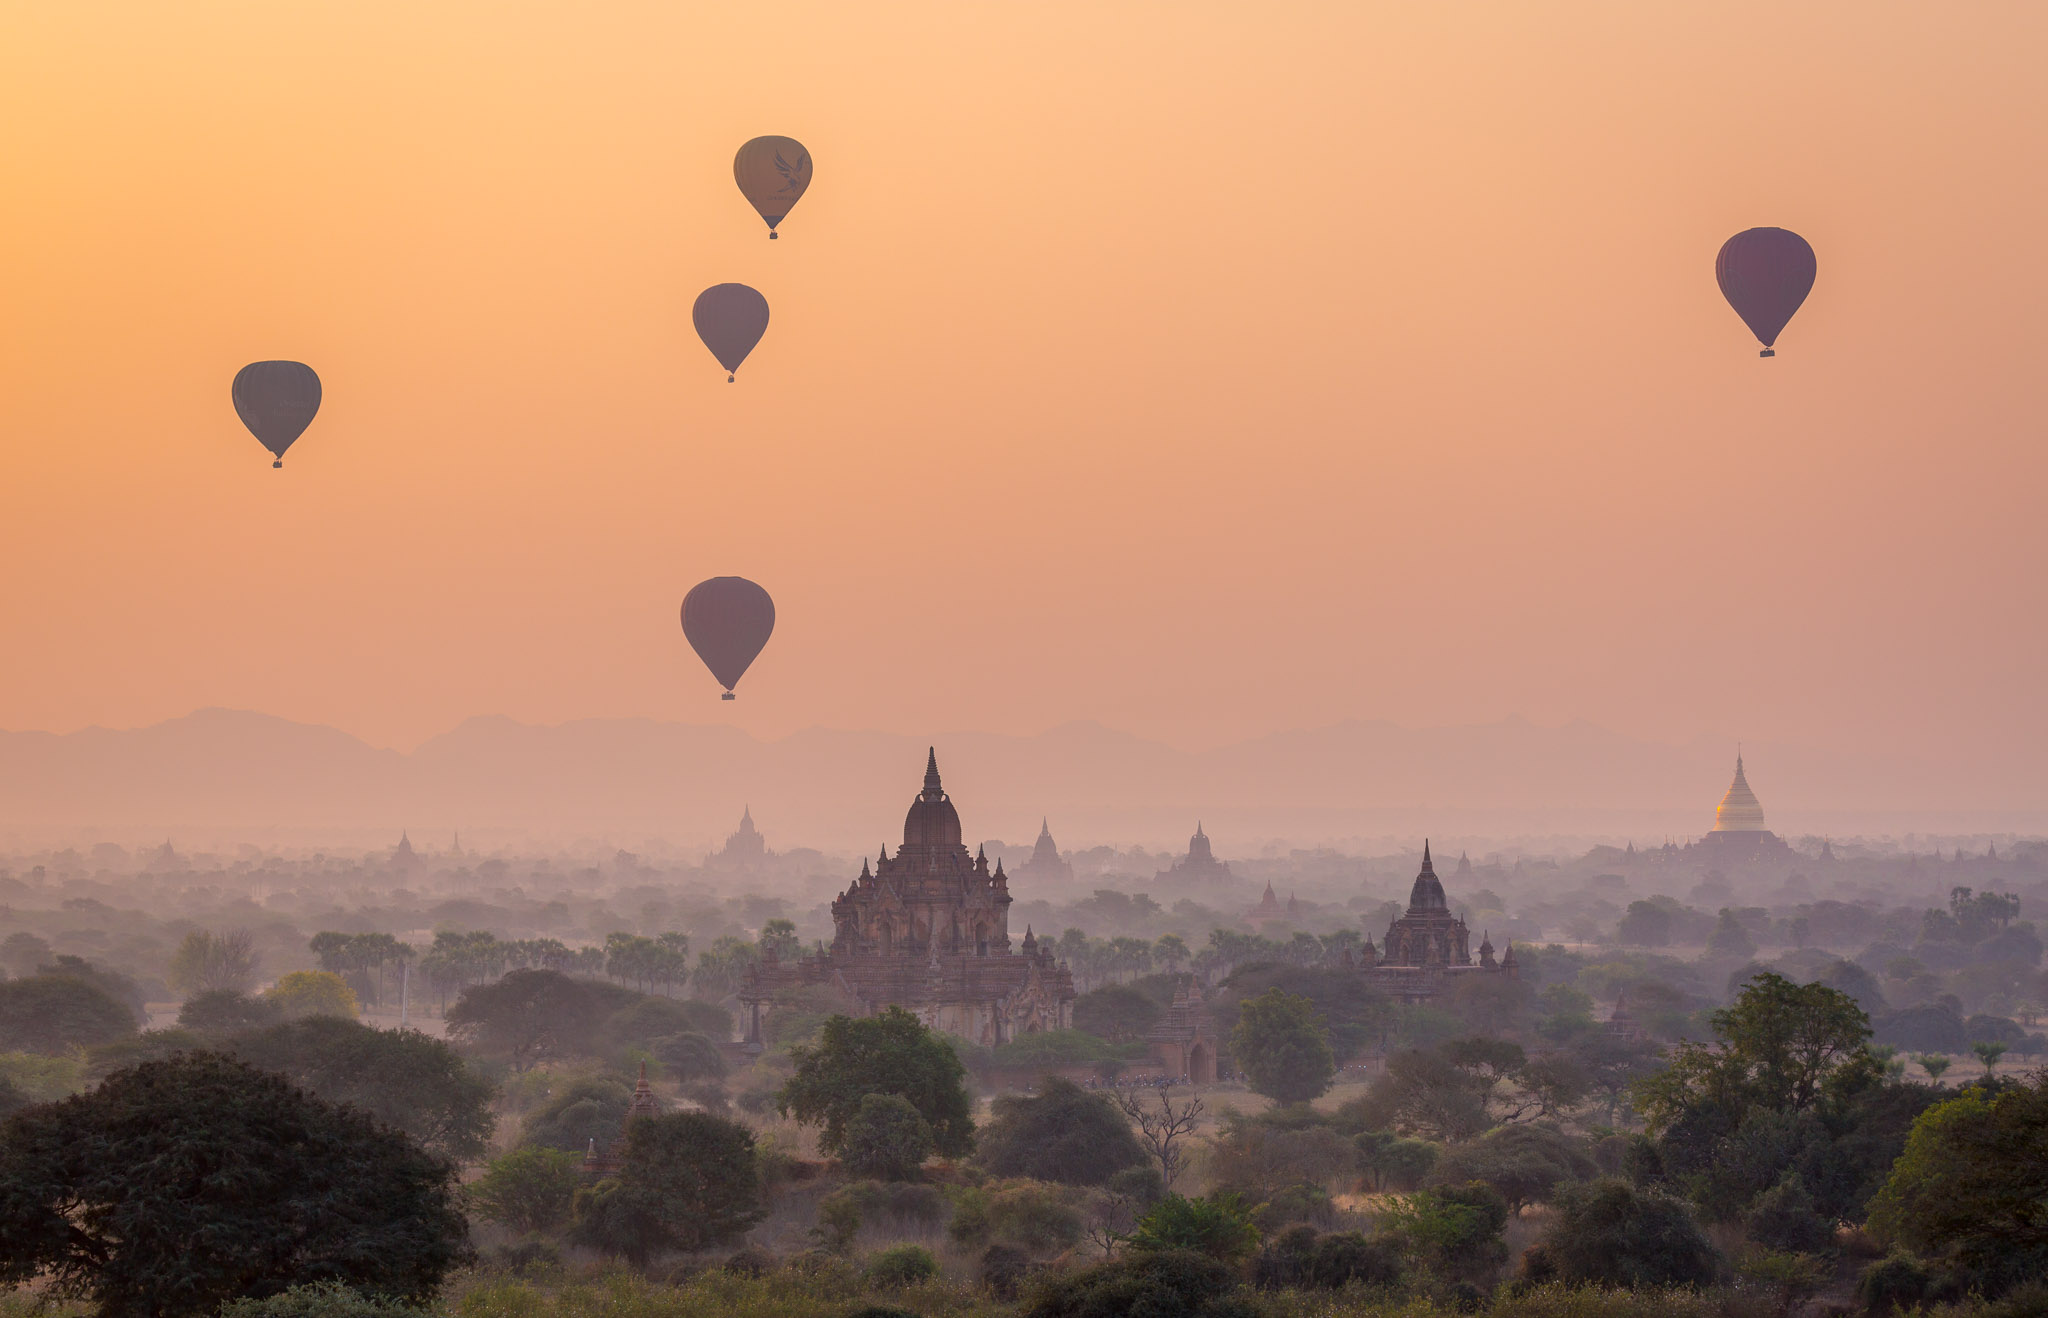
730, 318
276, 400
727, 621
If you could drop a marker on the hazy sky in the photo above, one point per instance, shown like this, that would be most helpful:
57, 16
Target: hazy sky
1201, 369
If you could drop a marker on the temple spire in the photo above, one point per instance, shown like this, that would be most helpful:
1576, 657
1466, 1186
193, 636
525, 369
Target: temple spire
1426, 865
932, 790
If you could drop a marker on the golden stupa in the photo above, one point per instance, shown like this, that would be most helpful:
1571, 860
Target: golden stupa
1739, 811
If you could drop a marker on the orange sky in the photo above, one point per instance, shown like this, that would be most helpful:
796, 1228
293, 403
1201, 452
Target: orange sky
1200, 369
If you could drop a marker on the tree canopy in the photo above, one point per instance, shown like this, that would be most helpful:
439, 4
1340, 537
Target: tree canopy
401, 1077
53, 1013
531, 1016
181, 1184
1780, 1046
889, 1053
1972, 1184
688, 1181
1060, 1133
1280, 1045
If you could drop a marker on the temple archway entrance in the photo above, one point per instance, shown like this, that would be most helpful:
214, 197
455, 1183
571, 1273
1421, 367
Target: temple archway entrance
1201, 1065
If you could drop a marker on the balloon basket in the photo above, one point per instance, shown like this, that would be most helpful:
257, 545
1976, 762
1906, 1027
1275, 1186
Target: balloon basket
1768, 352
731, 378
728, 696
772, 235
275, 465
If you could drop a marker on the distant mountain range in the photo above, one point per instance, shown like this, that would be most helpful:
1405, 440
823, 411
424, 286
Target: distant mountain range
226, 775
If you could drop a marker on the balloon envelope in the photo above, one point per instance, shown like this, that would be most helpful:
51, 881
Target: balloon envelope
727, 621
276, 400
772, 173
1765, 274
730, 318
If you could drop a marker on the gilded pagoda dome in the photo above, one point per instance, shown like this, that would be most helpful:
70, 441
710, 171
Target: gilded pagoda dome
1739, 811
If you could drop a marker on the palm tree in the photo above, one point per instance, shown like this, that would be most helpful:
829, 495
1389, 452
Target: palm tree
1934, 1064
1989, 1053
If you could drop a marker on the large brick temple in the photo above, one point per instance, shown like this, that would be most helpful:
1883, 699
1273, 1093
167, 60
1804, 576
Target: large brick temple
928, 930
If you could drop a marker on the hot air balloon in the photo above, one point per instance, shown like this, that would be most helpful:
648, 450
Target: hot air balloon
727, 621
1765, 274
772, 173
276, 400
730, 318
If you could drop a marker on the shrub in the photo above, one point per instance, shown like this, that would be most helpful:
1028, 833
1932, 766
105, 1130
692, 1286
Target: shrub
1038, 1218
1061, 1133
1524, 1164
226, 1011
1454, 1230
1608, 1233
1220, 1226
1393, 1163
1003, 1270
1156, 1284
750, 1262
886, 1138
901, 1265
1896, 1281
322, 1299
528, 1189
1303, 1202
1783, 1218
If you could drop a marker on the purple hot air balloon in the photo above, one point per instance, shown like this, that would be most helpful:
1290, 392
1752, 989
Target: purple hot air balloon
1765, 274
276, 400
727, 621
730, 318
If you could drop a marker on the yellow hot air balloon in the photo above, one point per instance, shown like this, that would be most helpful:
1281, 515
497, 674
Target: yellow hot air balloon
772, 173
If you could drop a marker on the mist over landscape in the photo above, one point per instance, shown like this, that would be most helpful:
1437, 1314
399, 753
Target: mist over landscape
1023, 660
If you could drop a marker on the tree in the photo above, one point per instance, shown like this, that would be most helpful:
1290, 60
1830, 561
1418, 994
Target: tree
1061, 1133
1524, 1164
531, 1016
1393, 1163
179, 1185
312, 993
21, 952
529, 1189
1730, 938
1647, 924
207, 961
585, 1109
320, 1299
121, 988
1280, 1045
1170, 951
1972, 1182
890, 1053
1934, 1064
226, 1011
54, 1013
778, 939
1608, 1233
689, 1057
1455, 1229
1220, 1226
688, 1181
1780, 1047
1152, 1283
1116, 1012
1988, 1053
401, 1077
1164, 1125
886, 1139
